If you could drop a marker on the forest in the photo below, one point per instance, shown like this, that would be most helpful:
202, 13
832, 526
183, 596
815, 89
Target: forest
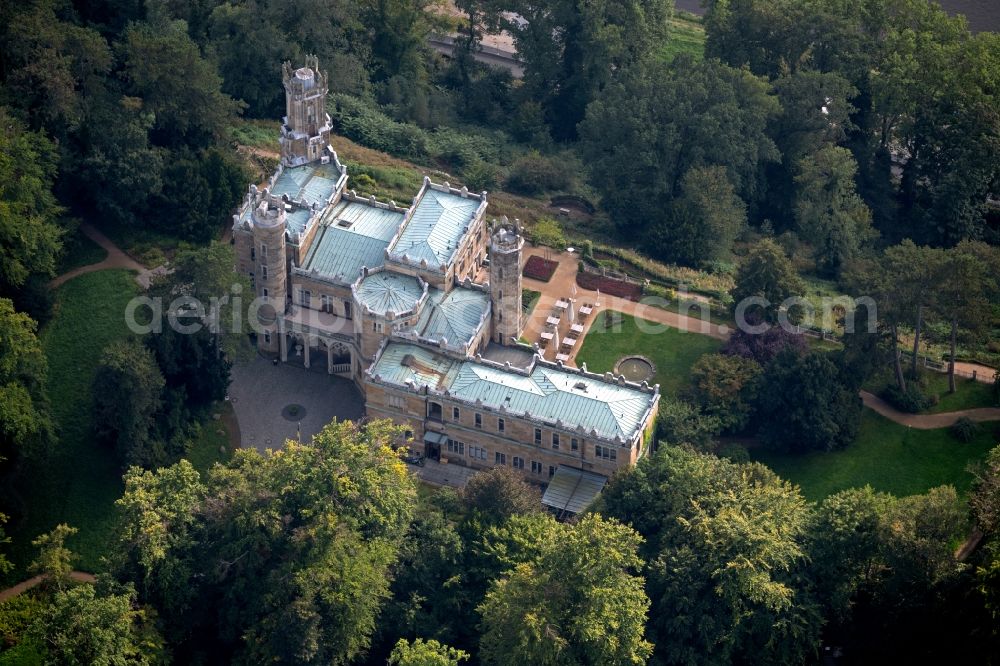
768, 149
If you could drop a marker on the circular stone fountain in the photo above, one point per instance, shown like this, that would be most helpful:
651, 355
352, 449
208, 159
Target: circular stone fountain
293, 412
635, 368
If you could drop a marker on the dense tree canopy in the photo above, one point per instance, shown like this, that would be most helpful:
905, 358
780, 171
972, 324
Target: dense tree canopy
725, 547
24, 415
554, 608
647, 131
281, 556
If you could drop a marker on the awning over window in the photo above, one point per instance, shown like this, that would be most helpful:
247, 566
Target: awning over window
435, 438
572, 490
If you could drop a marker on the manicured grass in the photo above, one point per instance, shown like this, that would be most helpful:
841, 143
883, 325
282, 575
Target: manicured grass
78, 250
673, 351
529, 299
78, 481
887, 456
968, 394
685, 34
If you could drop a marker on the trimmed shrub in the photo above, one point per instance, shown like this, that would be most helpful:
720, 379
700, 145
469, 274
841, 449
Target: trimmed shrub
964, 429
534, 173
912, 400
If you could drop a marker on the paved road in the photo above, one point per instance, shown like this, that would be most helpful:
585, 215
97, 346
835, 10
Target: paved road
927, 421
24, 586
115, 259
260, 391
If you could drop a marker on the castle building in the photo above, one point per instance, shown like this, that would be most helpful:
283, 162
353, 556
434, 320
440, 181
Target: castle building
420, 305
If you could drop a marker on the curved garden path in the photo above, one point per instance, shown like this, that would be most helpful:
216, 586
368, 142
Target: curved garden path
927, 421
115, 259
24, 586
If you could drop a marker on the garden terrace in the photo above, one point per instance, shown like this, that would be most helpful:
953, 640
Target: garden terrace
540, 269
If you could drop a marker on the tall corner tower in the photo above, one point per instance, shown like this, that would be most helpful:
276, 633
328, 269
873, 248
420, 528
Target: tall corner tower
271, 278
506, 244
305, 132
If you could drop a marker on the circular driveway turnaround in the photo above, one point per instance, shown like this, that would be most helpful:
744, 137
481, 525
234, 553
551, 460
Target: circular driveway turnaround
260, 391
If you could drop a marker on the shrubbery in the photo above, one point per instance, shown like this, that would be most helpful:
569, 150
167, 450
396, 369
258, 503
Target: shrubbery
911, 400
534, 173
965, 429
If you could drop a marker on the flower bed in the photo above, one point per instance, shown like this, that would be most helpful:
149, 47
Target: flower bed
609, 286
537, 268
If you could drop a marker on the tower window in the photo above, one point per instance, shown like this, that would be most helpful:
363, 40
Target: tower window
263, 252
267, 337
253, 253
263, 272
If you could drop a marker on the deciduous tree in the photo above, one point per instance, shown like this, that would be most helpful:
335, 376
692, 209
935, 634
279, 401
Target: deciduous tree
554, 609
273, 557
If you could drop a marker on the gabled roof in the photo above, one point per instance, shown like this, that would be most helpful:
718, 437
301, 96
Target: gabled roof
436, 226
455, 316
352, 235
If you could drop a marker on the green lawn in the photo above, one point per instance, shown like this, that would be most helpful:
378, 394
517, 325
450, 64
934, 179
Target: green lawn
529, 299
212, 444
78, 482
673, 351
78, 250
968, 394
887, 456
685, 34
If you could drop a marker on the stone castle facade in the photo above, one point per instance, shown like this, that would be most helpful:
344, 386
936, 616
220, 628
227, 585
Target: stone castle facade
420, 305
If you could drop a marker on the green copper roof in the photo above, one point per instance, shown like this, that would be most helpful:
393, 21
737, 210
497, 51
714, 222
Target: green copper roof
296, 220
402, 363
339, 255
438, 223
548, 394
360, 218
309, 183
385, 292
353, 235
454, 317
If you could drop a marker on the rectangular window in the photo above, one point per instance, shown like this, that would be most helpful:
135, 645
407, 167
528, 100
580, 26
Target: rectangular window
263, 272
347, 309
253, 254
267, 337
574, 444
555, 440
477, 452
605, 452
456, 447
263, 252
517, 463
536, 467
455, 413
253, 282
265, 292
552, 471
500, 458
397, 401
479, 420
501, 425
307, 298
538, 435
